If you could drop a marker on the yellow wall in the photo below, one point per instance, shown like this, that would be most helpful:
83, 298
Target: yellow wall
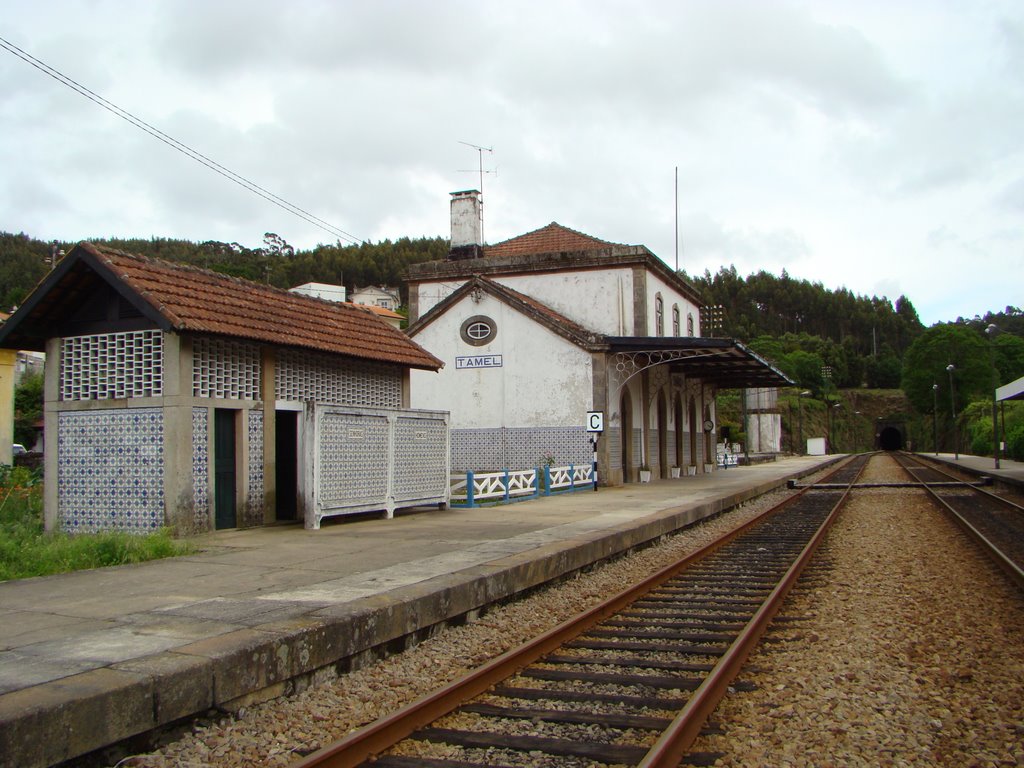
8, 358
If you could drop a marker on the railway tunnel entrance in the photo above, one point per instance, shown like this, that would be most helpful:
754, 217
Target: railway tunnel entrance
890, 439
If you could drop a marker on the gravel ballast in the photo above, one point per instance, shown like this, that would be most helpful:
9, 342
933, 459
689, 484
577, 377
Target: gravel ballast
911, 654
909, 651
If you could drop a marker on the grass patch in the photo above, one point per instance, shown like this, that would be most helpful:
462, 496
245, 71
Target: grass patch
27, 550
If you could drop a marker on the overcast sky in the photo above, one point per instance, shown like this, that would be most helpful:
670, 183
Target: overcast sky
873, 145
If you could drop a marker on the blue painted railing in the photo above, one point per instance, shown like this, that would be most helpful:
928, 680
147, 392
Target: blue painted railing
474, 489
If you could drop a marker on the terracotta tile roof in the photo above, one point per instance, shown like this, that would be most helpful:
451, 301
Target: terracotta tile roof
554, 238
381, 311
200, 301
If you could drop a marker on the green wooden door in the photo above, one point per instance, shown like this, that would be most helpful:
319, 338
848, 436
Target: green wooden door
224, 468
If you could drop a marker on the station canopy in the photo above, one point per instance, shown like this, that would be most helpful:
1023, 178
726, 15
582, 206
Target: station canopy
726, 363
1012, 391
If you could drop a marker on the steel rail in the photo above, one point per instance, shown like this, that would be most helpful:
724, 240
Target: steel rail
1012, 569
370, 740
677, 739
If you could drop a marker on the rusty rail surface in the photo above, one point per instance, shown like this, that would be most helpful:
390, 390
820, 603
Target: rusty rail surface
375, 738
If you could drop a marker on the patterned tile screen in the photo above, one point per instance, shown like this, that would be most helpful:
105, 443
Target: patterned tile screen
225, 369
254, 509
201, 469
518, 448
304, 377
420, 468
110, 470
353, 449
112, 366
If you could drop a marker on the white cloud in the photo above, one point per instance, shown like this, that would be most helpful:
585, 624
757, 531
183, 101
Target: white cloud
862, 144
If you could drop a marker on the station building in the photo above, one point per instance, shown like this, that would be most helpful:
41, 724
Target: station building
539, 330
175, 396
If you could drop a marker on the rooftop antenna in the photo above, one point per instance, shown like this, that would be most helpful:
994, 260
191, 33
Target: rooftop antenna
480, 152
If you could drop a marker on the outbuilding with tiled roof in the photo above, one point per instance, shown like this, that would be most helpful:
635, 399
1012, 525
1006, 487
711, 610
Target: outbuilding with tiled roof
180, 397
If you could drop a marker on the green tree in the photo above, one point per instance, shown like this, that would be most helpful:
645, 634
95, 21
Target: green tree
925, 364
28, 408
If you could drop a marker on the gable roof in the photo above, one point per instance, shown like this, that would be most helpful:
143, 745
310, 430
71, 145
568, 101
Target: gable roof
538, 311
554, 238
185, 299
553, 248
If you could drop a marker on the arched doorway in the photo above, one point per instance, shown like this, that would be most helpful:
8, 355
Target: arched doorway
662, 435
626, 417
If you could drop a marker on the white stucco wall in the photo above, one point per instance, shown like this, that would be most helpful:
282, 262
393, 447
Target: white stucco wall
669, 296
428, 295
599, 300
544, 380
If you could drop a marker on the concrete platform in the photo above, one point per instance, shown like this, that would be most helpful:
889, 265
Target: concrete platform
91, 658
1009, 472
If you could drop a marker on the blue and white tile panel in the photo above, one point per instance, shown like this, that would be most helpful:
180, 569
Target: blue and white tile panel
110, 470
201, 469
254, 507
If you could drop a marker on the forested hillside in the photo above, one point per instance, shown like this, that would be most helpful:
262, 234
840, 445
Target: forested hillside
832, 343
24, 260
822, 338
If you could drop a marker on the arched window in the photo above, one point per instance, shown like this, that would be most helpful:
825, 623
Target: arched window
675, 319
689, 323
659, 316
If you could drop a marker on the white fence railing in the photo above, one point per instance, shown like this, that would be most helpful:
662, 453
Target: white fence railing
471, 489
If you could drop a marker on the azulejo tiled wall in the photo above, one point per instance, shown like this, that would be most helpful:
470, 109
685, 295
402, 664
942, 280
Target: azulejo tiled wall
352, 449
518, 448
110, 470
420, 468
254, 507
201, 468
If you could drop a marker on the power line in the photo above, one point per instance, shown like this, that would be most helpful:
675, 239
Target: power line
179, 146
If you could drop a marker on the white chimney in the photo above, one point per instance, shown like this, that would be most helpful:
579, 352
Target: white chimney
466, 225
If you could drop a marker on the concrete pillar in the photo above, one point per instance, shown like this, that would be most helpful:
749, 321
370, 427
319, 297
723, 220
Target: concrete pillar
268, 370
640, 327
179, 492
51, 401
8, 361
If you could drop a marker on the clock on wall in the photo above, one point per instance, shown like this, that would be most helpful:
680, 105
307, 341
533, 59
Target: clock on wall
709, 425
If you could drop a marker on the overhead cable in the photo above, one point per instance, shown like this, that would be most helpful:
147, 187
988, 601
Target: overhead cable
179, 146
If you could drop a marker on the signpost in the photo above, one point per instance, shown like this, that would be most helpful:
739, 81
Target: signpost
595, 426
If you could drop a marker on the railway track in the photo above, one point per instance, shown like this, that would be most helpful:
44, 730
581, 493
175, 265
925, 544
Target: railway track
629, 682
995, 523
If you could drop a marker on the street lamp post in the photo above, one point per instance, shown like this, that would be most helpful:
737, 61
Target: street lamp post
831, 424
935, 417
992, 331
952, 405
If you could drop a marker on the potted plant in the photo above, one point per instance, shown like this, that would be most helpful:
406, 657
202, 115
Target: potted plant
676, 471
645, 474
691, 470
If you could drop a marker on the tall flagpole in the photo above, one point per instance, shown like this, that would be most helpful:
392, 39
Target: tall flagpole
677, 218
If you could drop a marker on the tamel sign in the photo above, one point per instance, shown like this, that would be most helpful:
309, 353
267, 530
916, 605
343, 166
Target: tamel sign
478, 361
